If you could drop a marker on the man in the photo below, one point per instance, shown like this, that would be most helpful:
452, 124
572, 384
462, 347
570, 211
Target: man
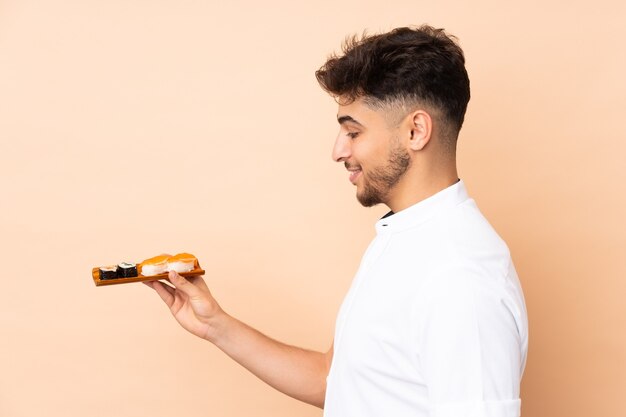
435, 322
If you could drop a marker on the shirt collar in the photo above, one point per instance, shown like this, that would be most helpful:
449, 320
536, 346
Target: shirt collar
420, 212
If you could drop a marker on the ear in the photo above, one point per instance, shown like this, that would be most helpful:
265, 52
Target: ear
421, 125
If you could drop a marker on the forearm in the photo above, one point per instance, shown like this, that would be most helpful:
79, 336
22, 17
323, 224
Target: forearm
297, 372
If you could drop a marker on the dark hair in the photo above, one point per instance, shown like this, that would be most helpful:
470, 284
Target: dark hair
420, 65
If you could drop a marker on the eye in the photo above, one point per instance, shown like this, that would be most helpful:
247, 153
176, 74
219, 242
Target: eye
352, 135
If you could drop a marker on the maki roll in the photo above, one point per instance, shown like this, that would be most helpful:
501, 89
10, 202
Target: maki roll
108, 272
126, 270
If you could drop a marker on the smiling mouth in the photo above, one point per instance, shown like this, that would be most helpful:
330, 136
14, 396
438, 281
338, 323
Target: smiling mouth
354, 174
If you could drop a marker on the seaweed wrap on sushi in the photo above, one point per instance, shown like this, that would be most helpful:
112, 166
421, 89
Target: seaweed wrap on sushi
126, 270
108, 272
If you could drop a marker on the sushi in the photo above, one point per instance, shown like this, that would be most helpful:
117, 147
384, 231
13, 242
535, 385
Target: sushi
108, 272
151, 269
154, 266
126, 270
183, 262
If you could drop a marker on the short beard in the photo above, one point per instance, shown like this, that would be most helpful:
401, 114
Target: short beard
380, 181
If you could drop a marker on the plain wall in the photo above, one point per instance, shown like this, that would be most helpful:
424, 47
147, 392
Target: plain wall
129, 129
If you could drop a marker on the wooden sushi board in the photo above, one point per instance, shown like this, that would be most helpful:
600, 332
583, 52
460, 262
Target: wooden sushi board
95, 273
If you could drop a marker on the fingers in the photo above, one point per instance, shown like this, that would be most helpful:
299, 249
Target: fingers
199, 282
165, 291
165, 284
194, 287
183, 285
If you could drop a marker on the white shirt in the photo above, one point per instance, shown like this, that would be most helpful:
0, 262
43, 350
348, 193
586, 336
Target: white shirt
435, 322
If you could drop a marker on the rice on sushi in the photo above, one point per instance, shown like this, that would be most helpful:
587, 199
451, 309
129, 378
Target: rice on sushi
183, 262
154, 266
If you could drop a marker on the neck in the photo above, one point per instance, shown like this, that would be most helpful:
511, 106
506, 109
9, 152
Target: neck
417, 186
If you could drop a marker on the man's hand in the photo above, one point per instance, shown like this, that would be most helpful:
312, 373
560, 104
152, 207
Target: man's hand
299, 373
191, 303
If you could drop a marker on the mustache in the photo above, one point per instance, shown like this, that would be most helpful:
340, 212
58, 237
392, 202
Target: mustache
350, 166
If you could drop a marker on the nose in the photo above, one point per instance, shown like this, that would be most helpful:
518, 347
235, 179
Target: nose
341, 150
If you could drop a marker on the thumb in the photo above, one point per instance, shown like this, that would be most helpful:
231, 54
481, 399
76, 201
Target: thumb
183, 285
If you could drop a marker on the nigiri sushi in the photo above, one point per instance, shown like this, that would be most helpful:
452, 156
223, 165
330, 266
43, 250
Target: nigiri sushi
154, 266
182, 262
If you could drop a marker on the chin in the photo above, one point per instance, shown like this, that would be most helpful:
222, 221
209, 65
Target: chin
368, 200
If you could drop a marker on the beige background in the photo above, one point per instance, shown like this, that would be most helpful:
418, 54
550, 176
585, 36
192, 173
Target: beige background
132, 128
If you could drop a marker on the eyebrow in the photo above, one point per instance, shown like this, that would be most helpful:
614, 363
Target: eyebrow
344, 119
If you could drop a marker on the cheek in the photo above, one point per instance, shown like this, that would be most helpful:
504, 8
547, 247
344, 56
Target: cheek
374, 160
365, 154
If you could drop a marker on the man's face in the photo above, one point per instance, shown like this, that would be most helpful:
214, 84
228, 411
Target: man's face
371, 151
